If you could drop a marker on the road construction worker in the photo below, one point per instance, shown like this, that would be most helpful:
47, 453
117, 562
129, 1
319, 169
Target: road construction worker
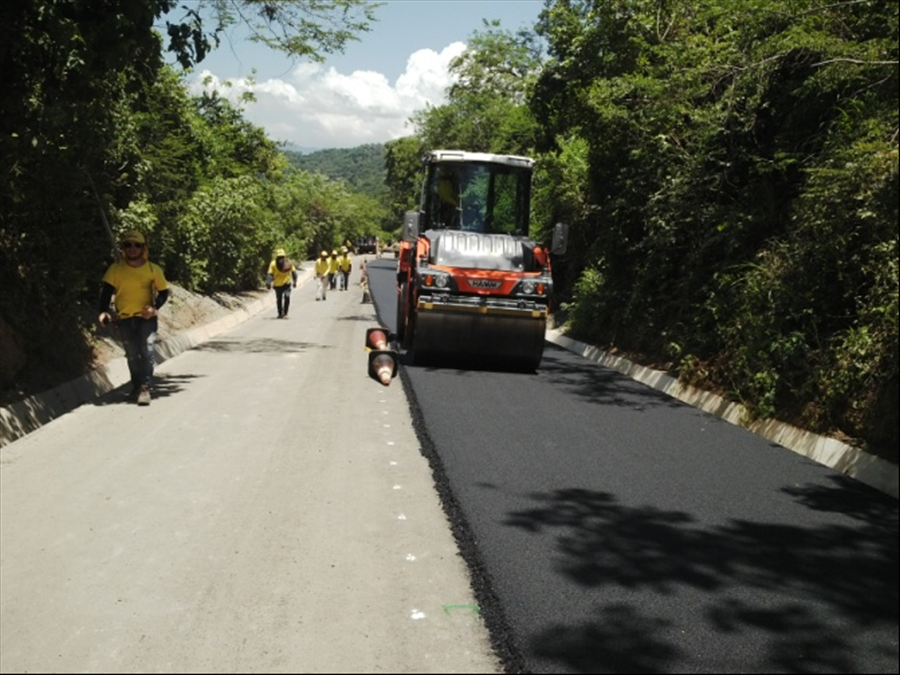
282, 274
140, 290
345, 264
332, 269
321, 274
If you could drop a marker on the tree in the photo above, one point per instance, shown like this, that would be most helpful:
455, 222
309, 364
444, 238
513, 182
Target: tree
739, 194
78, 152
66, 87
305, 29
486, 110
403, 168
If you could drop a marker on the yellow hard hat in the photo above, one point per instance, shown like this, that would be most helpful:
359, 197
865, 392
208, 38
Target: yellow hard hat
334, 252
343, 249
279, 253
324, 254
135, 236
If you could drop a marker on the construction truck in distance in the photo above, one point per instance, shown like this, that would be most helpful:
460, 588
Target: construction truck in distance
366, 244
471, 283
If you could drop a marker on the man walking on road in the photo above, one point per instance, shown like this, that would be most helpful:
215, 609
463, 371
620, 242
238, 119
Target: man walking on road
333, 270
321, 272
282, 275
345, 265
140, 290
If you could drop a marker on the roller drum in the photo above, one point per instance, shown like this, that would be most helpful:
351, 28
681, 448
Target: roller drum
514, 341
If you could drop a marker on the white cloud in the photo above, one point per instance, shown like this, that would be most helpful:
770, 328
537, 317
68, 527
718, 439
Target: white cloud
315, 107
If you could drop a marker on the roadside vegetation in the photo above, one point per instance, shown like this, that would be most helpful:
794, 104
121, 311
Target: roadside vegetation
728, 171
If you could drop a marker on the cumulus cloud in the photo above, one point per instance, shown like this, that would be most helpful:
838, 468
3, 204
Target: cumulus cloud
318, 107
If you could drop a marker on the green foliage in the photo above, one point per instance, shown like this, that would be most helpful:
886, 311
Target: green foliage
66, 86
362, 168
738, 210
96, 136
301, 28
486, 109
561, 195
403, 169
222, 242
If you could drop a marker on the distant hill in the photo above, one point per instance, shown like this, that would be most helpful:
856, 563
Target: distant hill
362, 168
299, 149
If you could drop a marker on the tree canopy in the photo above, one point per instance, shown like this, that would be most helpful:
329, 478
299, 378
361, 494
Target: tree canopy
97, 135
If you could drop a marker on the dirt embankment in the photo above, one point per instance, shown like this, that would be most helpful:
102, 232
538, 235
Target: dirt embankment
183, 311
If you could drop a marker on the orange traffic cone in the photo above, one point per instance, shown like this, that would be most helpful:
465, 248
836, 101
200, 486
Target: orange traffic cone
382, 360
376, 338
383, 366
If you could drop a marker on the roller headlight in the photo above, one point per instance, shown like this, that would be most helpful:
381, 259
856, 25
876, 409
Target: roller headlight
434, 279
541, 286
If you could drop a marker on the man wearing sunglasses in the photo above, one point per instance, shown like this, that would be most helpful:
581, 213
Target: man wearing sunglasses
140, 289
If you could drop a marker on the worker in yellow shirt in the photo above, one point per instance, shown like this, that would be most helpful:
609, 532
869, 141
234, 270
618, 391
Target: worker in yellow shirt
140, 290
321, 274
332, 270
345, 264
282, 274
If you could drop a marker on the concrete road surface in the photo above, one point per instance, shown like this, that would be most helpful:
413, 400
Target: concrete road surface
270, 511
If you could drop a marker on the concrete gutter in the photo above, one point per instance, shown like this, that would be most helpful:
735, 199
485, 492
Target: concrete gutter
869, 469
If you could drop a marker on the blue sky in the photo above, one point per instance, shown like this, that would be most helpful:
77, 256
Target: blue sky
367, 94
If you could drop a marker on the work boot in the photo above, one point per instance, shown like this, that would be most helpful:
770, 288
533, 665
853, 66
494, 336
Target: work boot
143, 397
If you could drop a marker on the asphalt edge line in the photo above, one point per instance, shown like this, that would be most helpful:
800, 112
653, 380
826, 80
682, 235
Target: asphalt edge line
854, 462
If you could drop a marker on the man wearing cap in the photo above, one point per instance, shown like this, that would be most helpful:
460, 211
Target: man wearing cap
345, 264
332, 270
321, 272
282, 274
140, 289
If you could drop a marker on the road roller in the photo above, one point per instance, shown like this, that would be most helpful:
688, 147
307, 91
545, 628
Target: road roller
472, 285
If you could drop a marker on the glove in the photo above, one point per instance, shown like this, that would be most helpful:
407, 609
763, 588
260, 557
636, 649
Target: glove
295, 284
268, 287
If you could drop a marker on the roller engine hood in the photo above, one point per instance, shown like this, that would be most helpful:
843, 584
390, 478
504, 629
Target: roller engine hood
472, 250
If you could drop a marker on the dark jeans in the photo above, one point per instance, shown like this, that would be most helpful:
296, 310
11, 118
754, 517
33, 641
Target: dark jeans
345, 280
283, 299
139, 340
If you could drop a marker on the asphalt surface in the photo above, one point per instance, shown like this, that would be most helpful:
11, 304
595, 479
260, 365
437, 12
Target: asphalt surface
616, 529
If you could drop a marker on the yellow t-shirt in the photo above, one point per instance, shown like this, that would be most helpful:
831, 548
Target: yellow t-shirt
134, 286
333, 265
345, 263
322, 266
280, 278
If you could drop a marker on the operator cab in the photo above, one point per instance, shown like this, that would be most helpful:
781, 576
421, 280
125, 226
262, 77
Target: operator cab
465, 192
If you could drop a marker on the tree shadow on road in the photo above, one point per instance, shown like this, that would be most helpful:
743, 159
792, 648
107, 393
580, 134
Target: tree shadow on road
849, 567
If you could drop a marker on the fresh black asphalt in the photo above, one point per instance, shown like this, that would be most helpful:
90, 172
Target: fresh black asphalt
610, 528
